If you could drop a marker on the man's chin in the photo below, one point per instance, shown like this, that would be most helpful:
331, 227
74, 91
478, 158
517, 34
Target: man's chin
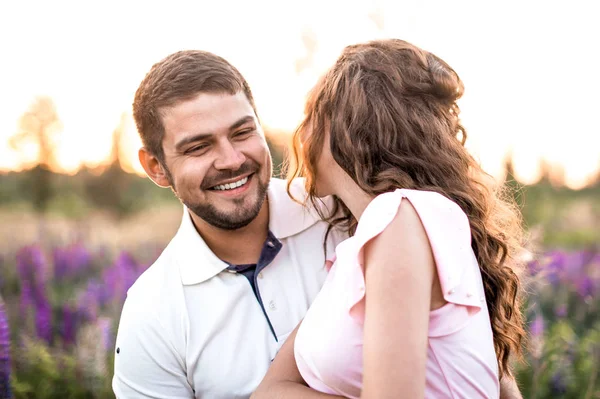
231, 212
231, 219
233, 225
231, 203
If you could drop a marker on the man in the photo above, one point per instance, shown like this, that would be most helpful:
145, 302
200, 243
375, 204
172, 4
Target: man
207, 318
209, 315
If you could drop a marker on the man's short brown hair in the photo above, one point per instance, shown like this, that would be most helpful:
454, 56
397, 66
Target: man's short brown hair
179, 77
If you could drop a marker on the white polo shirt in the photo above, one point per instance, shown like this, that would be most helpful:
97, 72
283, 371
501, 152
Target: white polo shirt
189, 328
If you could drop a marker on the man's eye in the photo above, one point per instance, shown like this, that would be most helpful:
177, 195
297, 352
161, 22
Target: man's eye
196, 148
245, 132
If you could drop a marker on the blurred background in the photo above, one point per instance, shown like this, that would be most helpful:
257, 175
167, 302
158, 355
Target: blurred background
79, 221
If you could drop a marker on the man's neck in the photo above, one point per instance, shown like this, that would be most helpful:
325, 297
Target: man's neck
240, 246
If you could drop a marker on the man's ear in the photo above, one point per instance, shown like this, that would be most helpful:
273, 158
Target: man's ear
154, 168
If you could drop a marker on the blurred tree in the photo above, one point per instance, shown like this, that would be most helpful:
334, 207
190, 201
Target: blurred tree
595, 181
515, 189
553, 175
41, 125
115, 153
109, 189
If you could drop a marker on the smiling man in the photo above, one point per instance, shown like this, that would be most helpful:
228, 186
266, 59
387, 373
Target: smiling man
232, 162
206, 319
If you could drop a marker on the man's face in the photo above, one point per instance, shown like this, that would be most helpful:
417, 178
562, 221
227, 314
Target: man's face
217, 158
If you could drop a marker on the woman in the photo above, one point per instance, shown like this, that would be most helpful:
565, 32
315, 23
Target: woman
422, 300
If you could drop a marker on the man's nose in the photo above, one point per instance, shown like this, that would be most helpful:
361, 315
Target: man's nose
230, 157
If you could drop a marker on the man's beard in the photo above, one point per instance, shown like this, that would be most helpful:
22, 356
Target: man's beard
210, 214
234, 220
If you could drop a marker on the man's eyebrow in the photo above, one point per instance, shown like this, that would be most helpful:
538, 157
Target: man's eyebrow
241, 121
192, 139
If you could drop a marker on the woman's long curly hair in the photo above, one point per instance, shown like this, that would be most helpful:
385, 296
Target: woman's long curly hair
389, 109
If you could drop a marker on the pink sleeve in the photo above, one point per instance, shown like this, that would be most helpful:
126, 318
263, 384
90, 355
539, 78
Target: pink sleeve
449, 234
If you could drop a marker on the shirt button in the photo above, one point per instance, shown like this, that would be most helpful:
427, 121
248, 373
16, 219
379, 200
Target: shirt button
260, 275
272, 305
270, 244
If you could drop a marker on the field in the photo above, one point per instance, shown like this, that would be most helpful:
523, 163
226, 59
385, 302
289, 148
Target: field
64, 277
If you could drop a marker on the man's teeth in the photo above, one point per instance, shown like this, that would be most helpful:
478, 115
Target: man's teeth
231, 186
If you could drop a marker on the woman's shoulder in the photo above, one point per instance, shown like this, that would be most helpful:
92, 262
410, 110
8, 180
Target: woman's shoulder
433, 199
434, 209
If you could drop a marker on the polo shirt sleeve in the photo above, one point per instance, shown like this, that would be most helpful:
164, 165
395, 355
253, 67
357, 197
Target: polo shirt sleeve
146, 362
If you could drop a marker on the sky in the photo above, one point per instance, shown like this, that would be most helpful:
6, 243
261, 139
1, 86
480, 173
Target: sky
530, 68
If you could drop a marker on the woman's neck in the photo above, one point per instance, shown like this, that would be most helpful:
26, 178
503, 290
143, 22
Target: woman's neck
355, 198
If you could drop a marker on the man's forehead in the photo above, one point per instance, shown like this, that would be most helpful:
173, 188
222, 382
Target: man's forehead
208, 112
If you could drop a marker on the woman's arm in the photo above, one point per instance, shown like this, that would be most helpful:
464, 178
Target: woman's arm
399, 272
283, 380
509, 388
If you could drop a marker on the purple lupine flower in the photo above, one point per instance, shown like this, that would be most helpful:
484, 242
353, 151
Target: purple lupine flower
38, 293
558, 384
26, 297
1, 268
537, 326
90, 301
534, 267
555, 264
5, 391
120, 276
43, 321
31, 264
595, 261
585, 287
105, 327
577, 266
32, 270
111, 282
69, 324
70, 261
61, 262
560, 311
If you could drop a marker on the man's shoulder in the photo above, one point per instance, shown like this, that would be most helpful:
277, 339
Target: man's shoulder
151, 326
156, 279
154, 302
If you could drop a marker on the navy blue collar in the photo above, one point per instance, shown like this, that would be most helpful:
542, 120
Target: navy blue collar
270, 249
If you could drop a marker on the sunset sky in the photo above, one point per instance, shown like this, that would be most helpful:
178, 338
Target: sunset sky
531, 68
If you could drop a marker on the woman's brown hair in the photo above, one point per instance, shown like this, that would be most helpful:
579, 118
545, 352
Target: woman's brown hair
390, 111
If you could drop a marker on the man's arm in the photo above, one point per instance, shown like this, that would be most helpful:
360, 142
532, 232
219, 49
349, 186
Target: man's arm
509, 388
146, 363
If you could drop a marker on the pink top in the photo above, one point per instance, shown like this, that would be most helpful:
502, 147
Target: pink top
461, 362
